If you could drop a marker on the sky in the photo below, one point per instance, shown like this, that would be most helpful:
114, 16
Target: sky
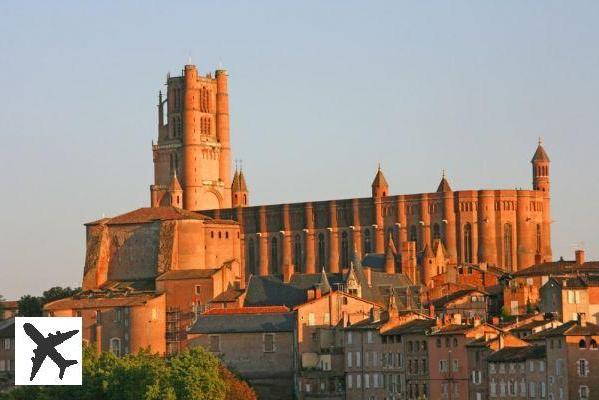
320, 93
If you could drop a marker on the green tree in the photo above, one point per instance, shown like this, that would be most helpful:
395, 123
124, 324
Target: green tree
30, 306
194, 376
57, 293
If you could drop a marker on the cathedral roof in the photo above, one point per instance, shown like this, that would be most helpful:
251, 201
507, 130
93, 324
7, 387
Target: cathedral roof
151, 214
379, 179
540, 154
239, 184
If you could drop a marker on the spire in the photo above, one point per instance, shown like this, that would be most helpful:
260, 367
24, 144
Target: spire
444, 184
175, 185
324, 282
540, 154
380, 187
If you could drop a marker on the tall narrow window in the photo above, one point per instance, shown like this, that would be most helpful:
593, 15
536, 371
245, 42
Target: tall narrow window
538, 238
413, 234
507, 246
468, 243
297, 253
321, 251
344, 250
252, 257
436, 232
274, 255
367, 242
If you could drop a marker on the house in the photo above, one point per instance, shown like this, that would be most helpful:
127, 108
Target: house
259, 343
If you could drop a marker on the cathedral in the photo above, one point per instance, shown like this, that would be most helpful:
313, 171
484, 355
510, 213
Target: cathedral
509, 229
200, 245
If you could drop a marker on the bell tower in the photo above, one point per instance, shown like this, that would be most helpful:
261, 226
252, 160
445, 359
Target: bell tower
540, 169
193, 141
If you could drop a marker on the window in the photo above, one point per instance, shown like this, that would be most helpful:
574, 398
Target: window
349, 359
297, 253
366, 381
367, 241
436, 232
349, 338
268, 340
582, 344
358, 380
349, 381
541, 366
311, 319
7, 344
274, 255
543, 389
358, 359
344, 250
539, 238
369, 336
198, 290
3, 365
593, 344
583, 392
455, 342
252, 257
468, 243
456, 365
321, 251
413, 234
443, 366
117, 315
532, 389
493, 388
507, 246
115, 346
98, 317
582, 367
214, 343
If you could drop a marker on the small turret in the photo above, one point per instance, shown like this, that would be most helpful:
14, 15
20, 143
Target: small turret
175, 192
239, 190
540, 169
443, 185
380, 187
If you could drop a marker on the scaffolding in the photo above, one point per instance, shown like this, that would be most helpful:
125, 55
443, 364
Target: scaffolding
173, 331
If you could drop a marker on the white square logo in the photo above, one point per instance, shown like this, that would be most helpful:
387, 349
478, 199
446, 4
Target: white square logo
48, 351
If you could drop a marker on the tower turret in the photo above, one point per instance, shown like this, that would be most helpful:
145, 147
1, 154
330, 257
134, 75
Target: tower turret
443, 185
540, 169
240, 195
380, 187
175, 192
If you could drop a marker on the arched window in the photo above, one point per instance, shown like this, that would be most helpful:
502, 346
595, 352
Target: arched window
507, 246
538, 238
582, 344
297, 252
274, 256
436, 232
468, 243
455, 342
414, 234
252, 256
115, 346
367, 242
321, 251
593, 344
344, 250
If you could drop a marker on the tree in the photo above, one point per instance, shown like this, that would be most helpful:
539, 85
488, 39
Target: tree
194, 376
57, 293
30, 306
237, 388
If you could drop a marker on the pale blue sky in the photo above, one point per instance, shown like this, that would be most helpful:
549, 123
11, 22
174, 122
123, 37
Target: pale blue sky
320, 93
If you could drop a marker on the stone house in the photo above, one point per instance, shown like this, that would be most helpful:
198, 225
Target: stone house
7, 353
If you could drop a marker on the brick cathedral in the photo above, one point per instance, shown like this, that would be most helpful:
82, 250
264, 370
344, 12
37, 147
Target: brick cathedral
192, 168
151, 272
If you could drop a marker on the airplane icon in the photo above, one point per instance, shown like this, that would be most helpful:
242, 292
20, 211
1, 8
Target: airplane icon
46, 348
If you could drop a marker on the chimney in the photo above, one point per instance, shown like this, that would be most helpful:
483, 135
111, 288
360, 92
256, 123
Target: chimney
288, 271
317, 292
368, 275
579, 257
476, 320
375, 314
457, 319
431, 310
582, 319
311, 294
495, 321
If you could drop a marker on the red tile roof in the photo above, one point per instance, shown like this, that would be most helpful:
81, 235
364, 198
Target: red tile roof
247, 310
149, 214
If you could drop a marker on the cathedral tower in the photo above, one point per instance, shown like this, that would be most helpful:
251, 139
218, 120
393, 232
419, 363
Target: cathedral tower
239, 190
193, 141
